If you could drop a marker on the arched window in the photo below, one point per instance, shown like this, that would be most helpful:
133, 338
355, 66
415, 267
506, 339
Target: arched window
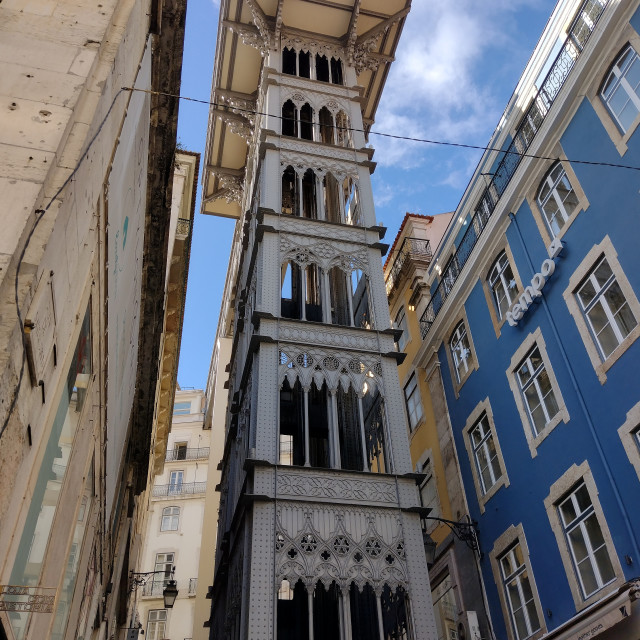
306, 122
292, 449
322, 68
343, 131
621, 89
301, 285
556, 198
351, 202
296, 64
289, 119
309, 198
289, 61
502, 284
304, 64
326, 126
461, 351
340, 297
290, 199
170, 519
336, 71
360, 300
332, 206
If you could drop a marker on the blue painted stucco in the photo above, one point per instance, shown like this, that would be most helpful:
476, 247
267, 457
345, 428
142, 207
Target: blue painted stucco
614, 210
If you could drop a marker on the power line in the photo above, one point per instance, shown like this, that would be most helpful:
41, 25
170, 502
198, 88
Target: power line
441, 143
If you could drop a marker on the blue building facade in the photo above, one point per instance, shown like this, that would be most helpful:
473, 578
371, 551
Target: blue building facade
533, 318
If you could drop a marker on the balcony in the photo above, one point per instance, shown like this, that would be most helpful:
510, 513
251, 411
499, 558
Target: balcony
201, 453
178, 490
587, 18
154, 588
411, 250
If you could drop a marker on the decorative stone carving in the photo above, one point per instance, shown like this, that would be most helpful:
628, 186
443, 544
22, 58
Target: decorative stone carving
231, 188
342, 556
338, 369
312, 46
333, 232
292, 146
292, 484
362, 58
248, 35
324, 254
332, 337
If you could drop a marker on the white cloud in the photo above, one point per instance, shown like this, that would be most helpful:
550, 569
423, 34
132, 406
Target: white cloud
437, 88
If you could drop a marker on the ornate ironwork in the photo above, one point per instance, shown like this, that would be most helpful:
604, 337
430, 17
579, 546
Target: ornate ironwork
200, 453
410, 249
184, 489
583, 26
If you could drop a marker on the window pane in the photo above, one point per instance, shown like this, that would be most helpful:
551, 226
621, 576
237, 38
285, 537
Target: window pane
587, 293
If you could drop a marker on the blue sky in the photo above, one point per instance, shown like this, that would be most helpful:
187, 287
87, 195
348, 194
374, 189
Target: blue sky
457, 64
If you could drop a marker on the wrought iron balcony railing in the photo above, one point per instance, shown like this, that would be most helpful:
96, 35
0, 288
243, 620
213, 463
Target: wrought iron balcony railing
154, 588
584, 24
183, 489
410, 249
200, 453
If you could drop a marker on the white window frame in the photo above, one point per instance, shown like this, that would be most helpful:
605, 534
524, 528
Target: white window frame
556, 175
629, 434
600, 299
172, 518
518, 577
156, 624
579, 524
413, 402
460, 349
176, 480
534, 439
534, 381
182, 408
497, 282
513, 536
617, 80
607, 250
558, 491
483, 412
484, 447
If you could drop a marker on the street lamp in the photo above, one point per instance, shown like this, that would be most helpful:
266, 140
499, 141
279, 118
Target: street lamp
465, 530
170, 591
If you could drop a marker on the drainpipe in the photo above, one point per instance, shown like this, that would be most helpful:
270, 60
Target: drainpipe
583, 405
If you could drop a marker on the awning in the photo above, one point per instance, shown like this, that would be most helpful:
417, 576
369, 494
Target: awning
606, 613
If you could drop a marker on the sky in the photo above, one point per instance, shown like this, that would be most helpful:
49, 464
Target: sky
456, 67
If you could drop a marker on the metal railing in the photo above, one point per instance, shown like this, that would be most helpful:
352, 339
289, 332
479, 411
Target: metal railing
193, 585
411, 248
183, 489
584, 24
199, 453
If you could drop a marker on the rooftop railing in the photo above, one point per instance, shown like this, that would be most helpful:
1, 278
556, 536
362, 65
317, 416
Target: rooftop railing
184, 489
411, 248
583, 25
200, 453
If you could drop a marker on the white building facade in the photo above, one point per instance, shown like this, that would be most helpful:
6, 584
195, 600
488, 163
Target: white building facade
172, 540
319, 530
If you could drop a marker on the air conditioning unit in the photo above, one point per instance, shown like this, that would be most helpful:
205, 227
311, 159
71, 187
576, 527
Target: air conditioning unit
468, 627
